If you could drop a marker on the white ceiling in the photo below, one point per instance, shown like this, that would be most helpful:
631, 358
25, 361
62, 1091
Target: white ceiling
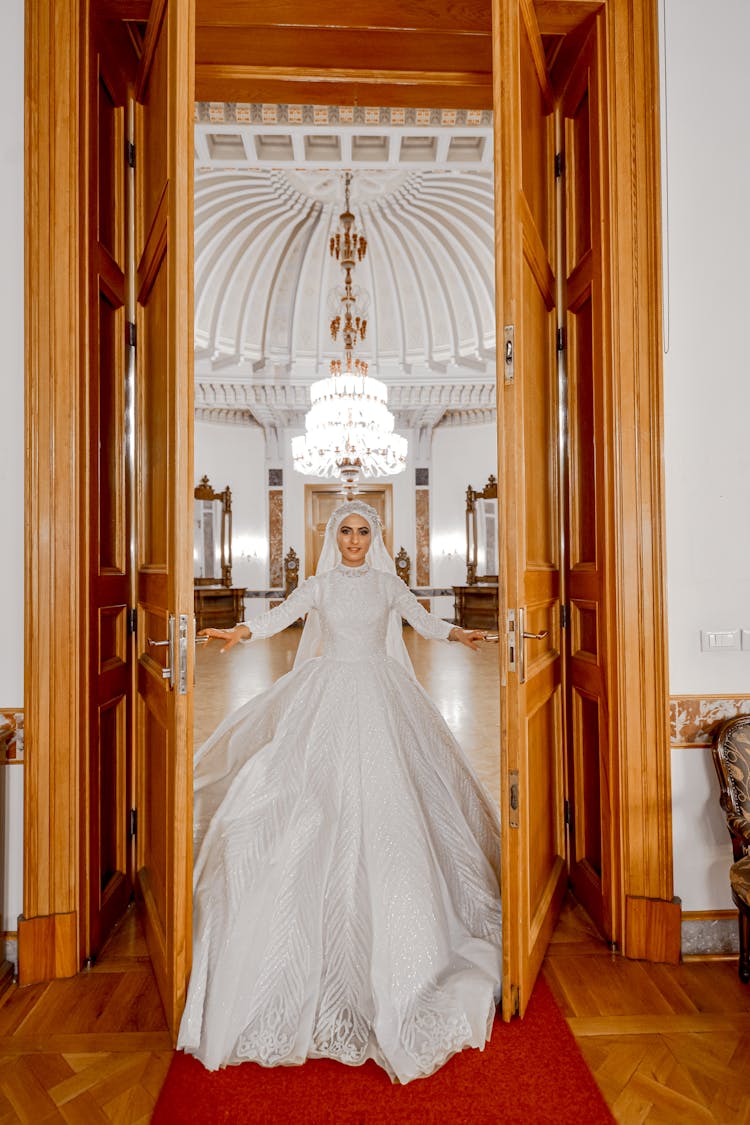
265, 284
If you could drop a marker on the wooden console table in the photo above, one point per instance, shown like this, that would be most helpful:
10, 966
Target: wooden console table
219, 607
476, 606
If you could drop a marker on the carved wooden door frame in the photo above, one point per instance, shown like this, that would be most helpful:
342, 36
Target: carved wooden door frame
56, 571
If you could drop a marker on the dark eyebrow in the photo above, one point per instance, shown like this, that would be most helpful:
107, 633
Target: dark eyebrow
347, 527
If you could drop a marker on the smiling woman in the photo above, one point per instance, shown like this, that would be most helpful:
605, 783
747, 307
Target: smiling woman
358, 852
353, 539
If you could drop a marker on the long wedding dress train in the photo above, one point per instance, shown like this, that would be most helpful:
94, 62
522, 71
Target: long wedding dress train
346, 889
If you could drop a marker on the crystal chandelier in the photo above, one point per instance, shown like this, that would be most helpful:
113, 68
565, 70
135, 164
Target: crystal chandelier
349, 429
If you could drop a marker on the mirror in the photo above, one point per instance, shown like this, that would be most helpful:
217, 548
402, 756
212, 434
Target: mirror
482, 545
212, 535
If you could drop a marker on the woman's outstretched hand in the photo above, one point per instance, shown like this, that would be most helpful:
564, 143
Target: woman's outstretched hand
468, 637
231, 637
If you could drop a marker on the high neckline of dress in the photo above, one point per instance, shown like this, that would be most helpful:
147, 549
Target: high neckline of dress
353, 571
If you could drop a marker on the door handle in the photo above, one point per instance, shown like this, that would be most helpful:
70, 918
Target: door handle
524, 636
492, 638
167, 673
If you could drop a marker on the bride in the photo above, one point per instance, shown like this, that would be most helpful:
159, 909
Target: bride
346, 885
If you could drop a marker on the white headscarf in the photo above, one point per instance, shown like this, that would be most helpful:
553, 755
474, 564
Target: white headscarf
377, 558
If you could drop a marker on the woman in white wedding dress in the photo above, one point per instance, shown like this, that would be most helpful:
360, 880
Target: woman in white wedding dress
346, 885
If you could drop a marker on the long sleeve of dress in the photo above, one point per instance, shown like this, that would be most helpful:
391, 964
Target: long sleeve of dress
299, 602
426, 624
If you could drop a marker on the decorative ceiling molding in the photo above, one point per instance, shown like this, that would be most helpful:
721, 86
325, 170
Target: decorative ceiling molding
264, 281
293, 397
282, 406
322, 116
216, 414
268, 192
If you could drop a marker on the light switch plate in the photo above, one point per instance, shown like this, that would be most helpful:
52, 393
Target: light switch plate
720, 640
746, 640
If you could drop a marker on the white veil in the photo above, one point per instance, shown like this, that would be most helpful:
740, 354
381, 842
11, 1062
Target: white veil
377, 558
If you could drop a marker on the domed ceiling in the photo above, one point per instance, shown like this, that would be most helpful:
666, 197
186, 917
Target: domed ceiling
266, 286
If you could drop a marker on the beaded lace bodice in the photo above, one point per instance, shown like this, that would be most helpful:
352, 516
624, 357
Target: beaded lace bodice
354, 604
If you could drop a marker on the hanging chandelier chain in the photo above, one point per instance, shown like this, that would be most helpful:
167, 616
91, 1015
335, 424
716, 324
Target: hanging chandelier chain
349, 429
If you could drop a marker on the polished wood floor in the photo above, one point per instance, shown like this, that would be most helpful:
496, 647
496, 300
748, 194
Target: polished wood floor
91, 1049
667, 1044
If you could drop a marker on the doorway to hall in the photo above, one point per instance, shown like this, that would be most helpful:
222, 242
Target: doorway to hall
269, 187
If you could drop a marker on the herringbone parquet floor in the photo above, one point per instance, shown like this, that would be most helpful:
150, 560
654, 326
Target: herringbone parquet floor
666, 1043
91, 1049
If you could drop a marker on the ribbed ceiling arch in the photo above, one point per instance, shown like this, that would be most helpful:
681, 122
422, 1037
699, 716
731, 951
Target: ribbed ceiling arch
264, 277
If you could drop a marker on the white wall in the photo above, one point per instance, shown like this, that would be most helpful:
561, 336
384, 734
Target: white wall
11, 333
706, 396
11, 446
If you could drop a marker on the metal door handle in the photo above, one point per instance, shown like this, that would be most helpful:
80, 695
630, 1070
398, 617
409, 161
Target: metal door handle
493, 638
524, 636
167, 673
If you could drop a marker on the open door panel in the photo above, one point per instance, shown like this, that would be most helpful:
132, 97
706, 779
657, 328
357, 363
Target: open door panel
534, 862
163, 492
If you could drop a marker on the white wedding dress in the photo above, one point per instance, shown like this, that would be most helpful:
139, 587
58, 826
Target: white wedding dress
346, 899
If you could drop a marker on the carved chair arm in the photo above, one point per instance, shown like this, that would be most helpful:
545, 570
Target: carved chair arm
739, 830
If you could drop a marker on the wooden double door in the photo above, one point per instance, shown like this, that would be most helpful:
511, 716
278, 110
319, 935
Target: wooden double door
552, 439
554, 425
138, 776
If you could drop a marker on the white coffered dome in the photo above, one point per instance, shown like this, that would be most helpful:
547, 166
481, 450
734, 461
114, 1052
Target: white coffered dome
265, 282
269, 188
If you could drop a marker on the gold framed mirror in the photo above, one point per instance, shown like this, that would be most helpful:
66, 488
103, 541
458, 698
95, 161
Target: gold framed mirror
482, 543
212, 535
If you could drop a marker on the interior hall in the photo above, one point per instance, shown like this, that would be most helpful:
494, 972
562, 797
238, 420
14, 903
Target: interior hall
546, 334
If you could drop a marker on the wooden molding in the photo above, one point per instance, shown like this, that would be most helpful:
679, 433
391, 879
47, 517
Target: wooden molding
709, 915
709, 695
639, 692
54, 610
6, 976
123, 9
323, 75
557, 18
469, 17
652, 930
218, 83
47, 947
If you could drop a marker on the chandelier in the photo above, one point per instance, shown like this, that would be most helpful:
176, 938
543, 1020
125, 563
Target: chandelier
349, 428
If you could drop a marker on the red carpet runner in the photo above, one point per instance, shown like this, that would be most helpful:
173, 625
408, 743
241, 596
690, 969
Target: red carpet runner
531, 1071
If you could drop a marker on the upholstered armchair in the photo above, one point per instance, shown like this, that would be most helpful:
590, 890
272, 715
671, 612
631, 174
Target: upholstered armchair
731, 752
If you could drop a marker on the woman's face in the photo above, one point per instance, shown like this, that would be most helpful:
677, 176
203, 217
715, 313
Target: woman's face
353, 538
